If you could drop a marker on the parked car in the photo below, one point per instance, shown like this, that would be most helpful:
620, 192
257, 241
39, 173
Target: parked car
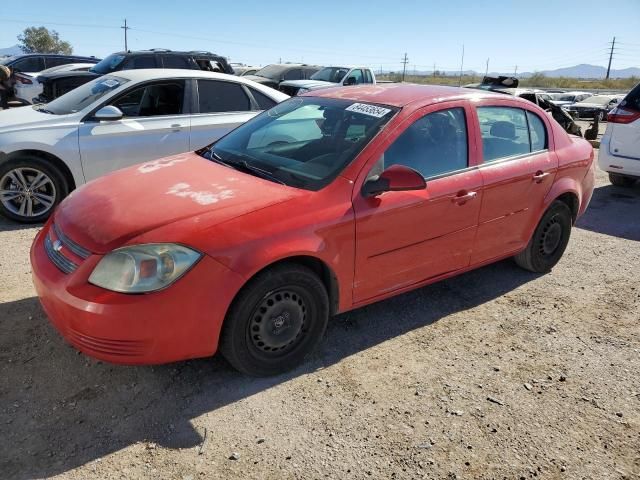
32, 63
620, 145
329, 77
242, 69
28, 86
569, 98
272, 75
114, 121
57, 84
595, 106
323, 204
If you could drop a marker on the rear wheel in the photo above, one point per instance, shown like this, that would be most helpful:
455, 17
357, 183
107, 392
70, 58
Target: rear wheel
276, 321
549, 240
30, 188
621, 180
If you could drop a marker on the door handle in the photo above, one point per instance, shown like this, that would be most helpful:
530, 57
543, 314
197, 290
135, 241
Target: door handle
540, 175
176, 127
463, 198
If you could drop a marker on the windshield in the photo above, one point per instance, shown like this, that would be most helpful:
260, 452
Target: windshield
597, 99
566, 98
330, 74
271, 71
83, 96
108, 65
303, 142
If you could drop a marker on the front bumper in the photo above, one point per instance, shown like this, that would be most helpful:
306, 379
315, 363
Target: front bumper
179, 322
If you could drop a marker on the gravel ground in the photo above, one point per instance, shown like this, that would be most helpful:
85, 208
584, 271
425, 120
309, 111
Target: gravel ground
498, 373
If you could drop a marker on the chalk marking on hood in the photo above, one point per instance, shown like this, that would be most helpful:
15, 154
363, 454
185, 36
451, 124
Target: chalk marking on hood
183, 190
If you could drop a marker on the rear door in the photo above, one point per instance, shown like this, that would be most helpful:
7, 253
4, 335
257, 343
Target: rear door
404, 238
625, 126
155, 124
220, 106
518, 169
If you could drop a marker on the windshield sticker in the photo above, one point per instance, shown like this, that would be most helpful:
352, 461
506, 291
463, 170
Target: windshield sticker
110, 82
365, 109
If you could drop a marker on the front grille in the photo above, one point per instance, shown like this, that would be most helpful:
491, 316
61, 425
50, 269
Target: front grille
108, 346
59, 260
56, 243
70, 244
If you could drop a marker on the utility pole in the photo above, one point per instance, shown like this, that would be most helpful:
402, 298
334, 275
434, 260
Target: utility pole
125, 28
434, 70
613, 44
404, 62
461, 66
515, 71
486, 72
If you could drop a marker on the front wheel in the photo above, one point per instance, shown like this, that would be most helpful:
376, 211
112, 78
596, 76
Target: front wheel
621, 180
549, 240
276, 321
30, 188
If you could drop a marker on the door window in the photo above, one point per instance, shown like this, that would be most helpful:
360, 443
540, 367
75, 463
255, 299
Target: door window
357, 74
28, 64
153, 100
142, 61
264, 102
57, 61
367, 75
216, 96
174, 61
295, 74
537, 132
435, 144
504, 132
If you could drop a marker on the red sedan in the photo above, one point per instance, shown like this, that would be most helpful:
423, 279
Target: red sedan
325, 203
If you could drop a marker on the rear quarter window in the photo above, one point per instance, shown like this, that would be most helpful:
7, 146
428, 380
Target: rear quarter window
632, 100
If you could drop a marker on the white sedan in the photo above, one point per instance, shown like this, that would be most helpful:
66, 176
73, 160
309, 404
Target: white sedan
27, 86
114, 121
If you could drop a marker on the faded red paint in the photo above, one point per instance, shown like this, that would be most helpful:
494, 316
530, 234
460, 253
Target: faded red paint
375, 247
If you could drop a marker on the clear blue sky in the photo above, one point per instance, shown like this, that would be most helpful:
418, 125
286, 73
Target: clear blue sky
536, 35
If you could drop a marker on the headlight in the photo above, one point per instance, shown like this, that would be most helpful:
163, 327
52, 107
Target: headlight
302, 90
143, 268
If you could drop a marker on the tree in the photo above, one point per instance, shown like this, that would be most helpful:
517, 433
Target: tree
41, 40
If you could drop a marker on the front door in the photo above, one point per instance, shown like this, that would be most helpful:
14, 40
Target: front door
154, 125
517, 172
404, 238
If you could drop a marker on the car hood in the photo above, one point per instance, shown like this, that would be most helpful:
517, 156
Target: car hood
106, 213
60, 75
28, 118
310, 84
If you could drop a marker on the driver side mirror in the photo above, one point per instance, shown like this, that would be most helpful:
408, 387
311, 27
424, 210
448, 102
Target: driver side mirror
108, 112
350, 81
396, 178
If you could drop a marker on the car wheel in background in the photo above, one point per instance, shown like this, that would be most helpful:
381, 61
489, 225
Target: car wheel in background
602, 116
276, 320
30, 188
621, 180
549, 240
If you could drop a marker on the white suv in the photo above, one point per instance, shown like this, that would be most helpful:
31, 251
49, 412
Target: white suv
620, 146
114, 121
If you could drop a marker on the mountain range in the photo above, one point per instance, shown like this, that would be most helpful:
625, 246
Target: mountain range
9, 52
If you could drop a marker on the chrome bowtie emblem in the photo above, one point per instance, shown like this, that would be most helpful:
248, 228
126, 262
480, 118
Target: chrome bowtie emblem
57, 245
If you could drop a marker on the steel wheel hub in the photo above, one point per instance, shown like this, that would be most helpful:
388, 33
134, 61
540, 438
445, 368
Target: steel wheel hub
27, 192
279, 321
551, 237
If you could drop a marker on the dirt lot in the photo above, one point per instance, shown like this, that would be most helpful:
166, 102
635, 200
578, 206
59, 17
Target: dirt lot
498, 373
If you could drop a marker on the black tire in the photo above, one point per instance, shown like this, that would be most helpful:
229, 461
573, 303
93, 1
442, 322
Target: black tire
43, 200
621, 180
276, 320
549, 240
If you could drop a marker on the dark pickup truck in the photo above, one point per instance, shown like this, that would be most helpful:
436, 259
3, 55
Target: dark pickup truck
57, 84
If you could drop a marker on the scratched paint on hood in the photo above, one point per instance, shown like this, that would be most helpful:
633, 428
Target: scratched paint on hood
202, 197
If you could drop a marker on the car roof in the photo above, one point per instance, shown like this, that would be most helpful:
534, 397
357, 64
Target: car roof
160, 73
401, 94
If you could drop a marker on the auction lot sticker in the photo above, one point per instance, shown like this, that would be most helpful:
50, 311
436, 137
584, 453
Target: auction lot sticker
371, 110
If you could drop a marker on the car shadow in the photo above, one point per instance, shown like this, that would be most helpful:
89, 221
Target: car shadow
614, 211
7, 225
60, 410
